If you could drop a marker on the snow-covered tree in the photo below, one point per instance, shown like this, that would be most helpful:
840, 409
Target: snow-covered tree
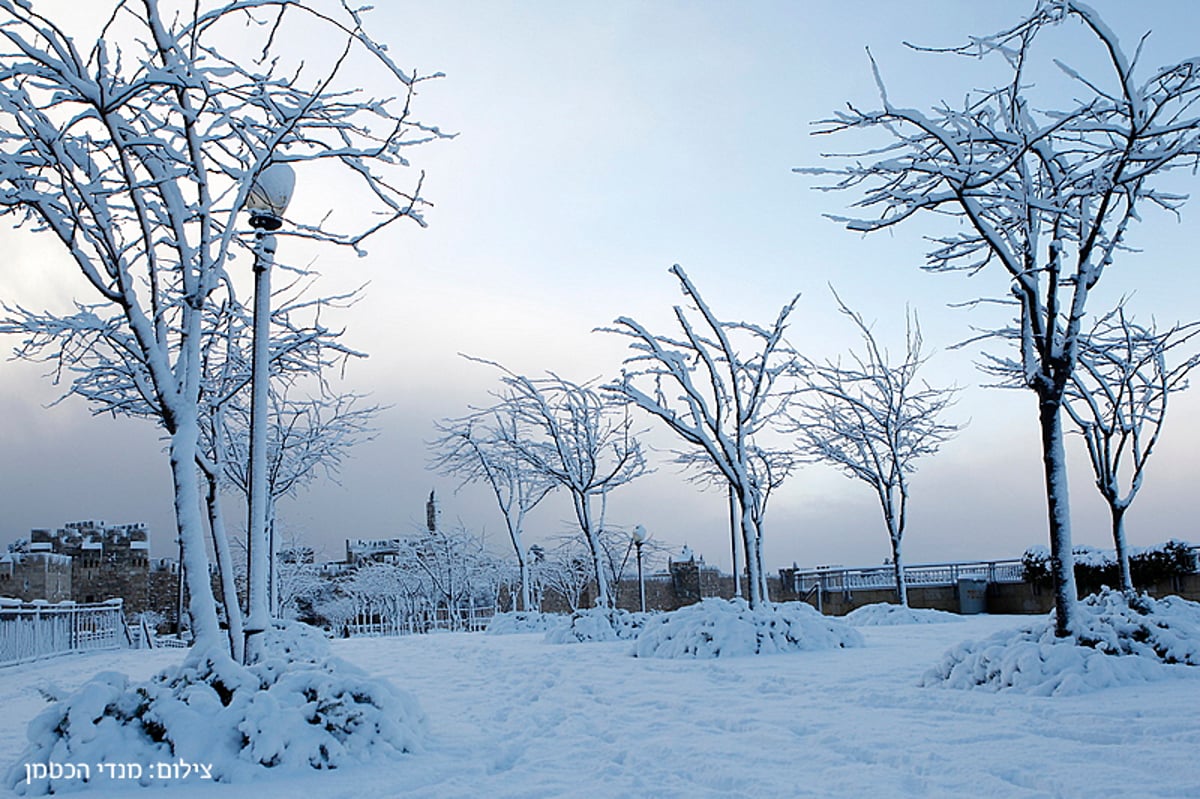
565, 570
307, 437
721, 387
873, 419
298, 582
1045, 194
578, 440
1117, 400
478, 449
460, 573
136, 155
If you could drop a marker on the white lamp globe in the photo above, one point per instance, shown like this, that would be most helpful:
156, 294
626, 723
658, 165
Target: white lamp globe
269, 196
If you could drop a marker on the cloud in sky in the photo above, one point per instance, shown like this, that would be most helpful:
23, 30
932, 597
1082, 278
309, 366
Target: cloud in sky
597, 145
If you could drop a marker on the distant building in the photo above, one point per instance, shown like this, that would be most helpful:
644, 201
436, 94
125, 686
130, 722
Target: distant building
91, 561
368, 550
35, 575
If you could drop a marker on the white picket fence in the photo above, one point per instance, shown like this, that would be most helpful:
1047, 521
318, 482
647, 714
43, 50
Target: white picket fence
34, 630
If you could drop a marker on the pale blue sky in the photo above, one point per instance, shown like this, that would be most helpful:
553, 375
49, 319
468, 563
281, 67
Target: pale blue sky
598, 144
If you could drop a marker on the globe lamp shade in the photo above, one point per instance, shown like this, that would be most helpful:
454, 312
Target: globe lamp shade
269, 196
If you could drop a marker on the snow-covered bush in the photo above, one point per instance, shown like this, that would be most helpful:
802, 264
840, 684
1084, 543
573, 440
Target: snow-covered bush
729, 628
523, 621
1173, 558
1120, 640
298, 708
1098, 567
884, 614
1093, 567
597, 624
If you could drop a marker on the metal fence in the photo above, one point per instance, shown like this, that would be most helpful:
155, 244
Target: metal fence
460, 620
34, 630
841, 579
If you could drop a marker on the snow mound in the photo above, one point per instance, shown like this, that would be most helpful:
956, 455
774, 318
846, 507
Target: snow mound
1121, 640
730, 628
299, 708
523, 622
885, 614
597, 624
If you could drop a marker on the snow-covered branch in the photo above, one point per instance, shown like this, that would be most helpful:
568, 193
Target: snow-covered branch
577, 439
1049, 195
720, 386
873, 419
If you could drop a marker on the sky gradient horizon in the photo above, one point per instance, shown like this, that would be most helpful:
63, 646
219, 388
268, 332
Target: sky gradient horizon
597, 145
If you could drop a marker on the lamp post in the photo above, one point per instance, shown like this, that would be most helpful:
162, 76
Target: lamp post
268, 198
639, 538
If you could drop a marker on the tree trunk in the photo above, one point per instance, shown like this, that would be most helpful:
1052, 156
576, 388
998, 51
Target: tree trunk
1062, 559
751, 545
583, 510
765, 587
1118, 531
525, 597
201, 605
898, 571
229, 593
733, 538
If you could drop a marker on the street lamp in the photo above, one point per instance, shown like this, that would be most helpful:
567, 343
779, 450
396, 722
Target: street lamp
267, 199
639, 538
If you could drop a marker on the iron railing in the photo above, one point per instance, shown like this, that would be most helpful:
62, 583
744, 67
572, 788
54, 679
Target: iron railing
34, 630
843, 579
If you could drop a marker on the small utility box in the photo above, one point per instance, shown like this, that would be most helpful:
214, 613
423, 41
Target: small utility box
972, 595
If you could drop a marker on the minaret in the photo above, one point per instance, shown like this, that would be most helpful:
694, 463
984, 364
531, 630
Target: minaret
432, 512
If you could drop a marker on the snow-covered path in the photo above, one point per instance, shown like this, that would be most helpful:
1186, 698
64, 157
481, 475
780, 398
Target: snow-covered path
513, 717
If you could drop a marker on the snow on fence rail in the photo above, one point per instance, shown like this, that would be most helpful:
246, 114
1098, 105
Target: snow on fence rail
840, 579
466, 619
29, 631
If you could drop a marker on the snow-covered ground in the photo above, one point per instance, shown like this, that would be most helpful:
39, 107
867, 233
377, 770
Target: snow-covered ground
512, 716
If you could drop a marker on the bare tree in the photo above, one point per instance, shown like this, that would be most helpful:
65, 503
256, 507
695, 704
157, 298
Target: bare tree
720, 388
1118, 402
1047, 195
478, 448
565, 571
578, 440
307, 437
137, 157
873, 420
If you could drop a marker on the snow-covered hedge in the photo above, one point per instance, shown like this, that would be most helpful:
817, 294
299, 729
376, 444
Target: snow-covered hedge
522, 621
1120, 640
1098, 567
299, 708
886, 614
729, 628
597, 624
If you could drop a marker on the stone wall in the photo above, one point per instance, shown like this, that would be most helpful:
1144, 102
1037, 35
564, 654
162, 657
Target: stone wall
105, 562
36, 575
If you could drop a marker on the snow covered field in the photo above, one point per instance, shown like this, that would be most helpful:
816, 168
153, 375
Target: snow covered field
512, 716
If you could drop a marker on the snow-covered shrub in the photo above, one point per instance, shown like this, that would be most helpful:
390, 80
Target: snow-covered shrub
523, 621
729, 628
885, 614
1163, 562
1095, 568
1120, 640
298, 708
597, 624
